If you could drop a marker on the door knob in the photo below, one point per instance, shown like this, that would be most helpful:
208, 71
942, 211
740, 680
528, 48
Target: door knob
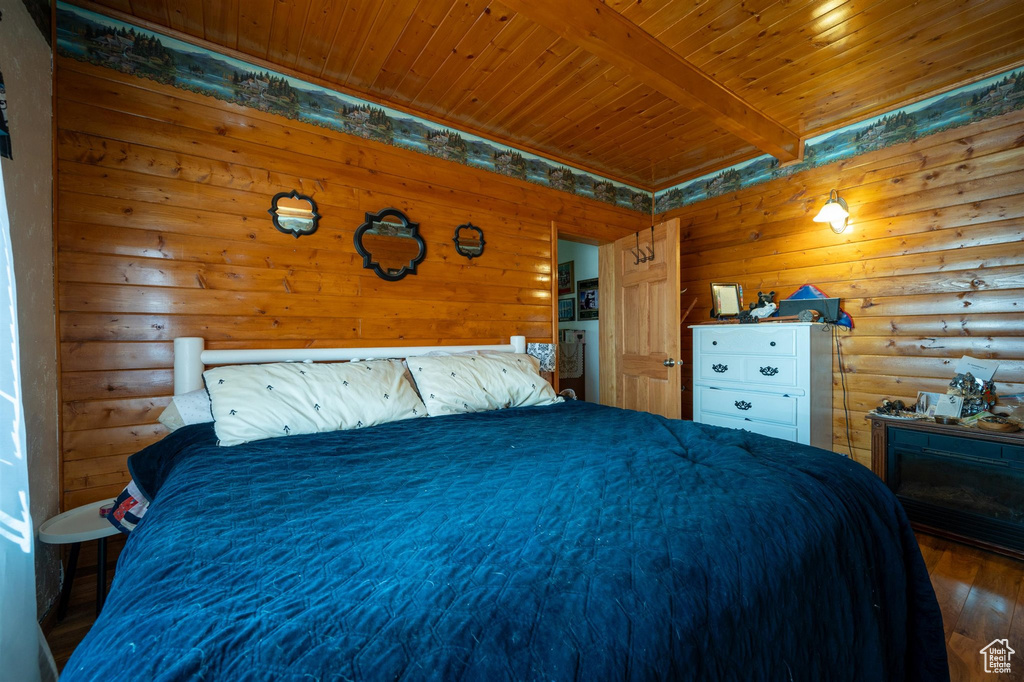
669, 363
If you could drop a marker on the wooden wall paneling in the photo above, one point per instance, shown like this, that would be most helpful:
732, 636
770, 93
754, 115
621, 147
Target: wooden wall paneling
323, 24
520, 72
494, 25
151, 10
931, 268
163, 232
485, 69
455, 24
355, 21
286, 31
423, 22
220, 23
119, 5
494, 55
255, 21
382, 39
186, 16
375, 164
559, 78
958, 41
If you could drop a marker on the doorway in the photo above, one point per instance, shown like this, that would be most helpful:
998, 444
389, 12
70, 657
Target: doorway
579, 308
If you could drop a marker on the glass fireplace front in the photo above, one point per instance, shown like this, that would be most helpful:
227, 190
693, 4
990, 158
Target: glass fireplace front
968, 487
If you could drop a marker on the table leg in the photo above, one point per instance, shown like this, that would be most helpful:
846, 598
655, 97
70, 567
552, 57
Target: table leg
69, 578
101, 575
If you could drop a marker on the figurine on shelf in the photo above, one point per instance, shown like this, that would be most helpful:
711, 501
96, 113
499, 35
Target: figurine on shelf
978, 395
765, 307
891, 408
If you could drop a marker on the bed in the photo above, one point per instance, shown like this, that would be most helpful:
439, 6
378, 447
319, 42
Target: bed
563, 542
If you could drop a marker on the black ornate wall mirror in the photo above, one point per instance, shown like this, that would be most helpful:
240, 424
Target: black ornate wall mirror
390, 245
294, 213
469, 240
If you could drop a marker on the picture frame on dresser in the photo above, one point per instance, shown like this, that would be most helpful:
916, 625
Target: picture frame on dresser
726, 299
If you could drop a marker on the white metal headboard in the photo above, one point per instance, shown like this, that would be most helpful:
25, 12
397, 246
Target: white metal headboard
191, 356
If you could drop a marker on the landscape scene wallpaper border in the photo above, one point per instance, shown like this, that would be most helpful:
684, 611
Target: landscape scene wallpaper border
990, 97
95, 38
98, 39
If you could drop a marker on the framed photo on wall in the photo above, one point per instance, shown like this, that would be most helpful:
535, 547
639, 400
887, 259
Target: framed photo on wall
566, 309
566, 278
587, 293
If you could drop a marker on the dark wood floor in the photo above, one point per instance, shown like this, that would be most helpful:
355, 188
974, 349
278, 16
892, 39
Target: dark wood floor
981, 595
982, 598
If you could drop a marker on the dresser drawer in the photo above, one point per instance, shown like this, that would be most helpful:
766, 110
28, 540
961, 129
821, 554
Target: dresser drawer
751, 339
771, 371
767, 372
748, 405
765, 429
721, 368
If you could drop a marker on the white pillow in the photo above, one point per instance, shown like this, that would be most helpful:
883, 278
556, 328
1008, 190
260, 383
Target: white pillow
451, 384
188, 408
253, 402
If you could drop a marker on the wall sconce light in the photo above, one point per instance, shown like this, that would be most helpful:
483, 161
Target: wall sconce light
835, 212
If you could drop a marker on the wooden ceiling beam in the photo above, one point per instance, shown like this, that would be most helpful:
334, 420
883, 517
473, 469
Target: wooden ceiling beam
599, 29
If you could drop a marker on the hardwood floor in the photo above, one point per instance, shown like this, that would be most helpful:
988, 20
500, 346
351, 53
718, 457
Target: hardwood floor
981, 595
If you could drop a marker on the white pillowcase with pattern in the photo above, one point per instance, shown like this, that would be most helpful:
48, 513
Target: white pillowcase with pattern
452, 384
187, 408
254, 402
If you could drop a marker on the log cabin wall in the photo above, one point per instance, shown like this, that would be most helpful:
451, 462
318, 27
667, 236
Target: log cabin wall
931, 267
163, 231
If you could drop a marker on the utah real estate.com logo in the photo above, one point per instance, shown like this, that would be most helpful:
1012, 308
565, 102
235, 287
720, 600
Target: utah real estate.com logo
997, 656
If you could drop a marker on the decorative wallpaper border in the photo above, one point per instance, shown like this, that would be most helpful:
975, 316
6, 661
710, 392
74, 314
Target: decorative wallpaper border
968, 104
97, 39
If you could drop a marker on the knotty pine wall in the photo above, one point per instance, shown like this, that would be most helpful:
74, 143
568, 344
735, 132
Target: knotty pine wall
931, 268
163, 231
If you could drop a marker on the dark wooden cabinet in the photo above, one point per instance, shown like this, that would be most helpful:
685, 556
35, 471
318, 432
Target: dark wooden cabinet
963, 483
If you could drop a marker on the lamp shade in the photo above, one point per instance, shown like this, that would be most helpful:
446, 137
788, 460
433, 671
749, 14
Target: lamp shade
835, 212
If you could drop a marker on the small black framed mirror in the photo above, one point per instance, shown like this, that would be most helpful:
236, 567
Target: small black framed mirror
294, 213
390, 244
469, 240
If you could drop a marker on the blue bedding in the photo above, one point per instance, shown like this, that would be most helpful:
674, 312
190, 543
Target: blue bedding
567, 542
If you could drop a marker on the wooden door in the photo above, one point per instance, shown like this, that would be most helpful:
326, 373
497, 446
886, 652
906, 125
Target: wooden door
639, 320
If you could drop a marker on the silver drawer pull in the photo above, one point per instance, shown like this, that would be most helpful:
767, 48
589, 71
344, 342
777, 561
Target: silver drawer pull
742, 405
721, 369
769, 371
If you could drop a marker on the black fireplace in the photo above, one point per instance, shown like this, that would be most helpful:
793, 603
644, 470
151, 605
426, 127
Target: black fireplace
963, 485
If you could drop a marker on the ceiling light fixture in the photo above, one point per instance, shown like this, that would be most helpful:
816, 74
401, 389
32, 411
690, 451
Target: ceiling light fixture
835, 212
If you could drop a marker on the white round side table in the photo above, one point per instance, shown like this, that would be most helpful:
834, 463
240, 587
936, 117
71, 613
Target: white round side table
74, 527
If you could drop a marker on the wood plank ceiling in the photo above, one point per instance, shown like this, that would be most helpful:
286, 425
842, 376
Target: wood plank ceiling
809, 65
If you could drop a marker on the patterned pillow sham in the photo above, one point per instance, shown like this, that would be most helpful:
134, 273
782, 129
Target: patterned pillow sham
187, 408
253, 402
453, 384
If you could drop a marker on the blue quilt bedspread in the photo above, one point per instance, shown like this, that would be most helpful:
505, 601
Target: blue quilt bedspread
568, 542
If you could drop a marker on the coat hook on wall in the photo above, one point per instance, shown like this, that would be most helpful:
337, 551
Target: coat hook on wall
650, 248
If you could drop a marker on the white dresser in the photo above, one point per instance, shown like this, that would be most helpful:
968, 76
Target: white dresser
773, 378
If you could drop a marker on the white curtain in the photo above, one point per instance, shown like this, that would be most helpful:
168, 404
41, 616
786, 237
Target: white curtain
19, 630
